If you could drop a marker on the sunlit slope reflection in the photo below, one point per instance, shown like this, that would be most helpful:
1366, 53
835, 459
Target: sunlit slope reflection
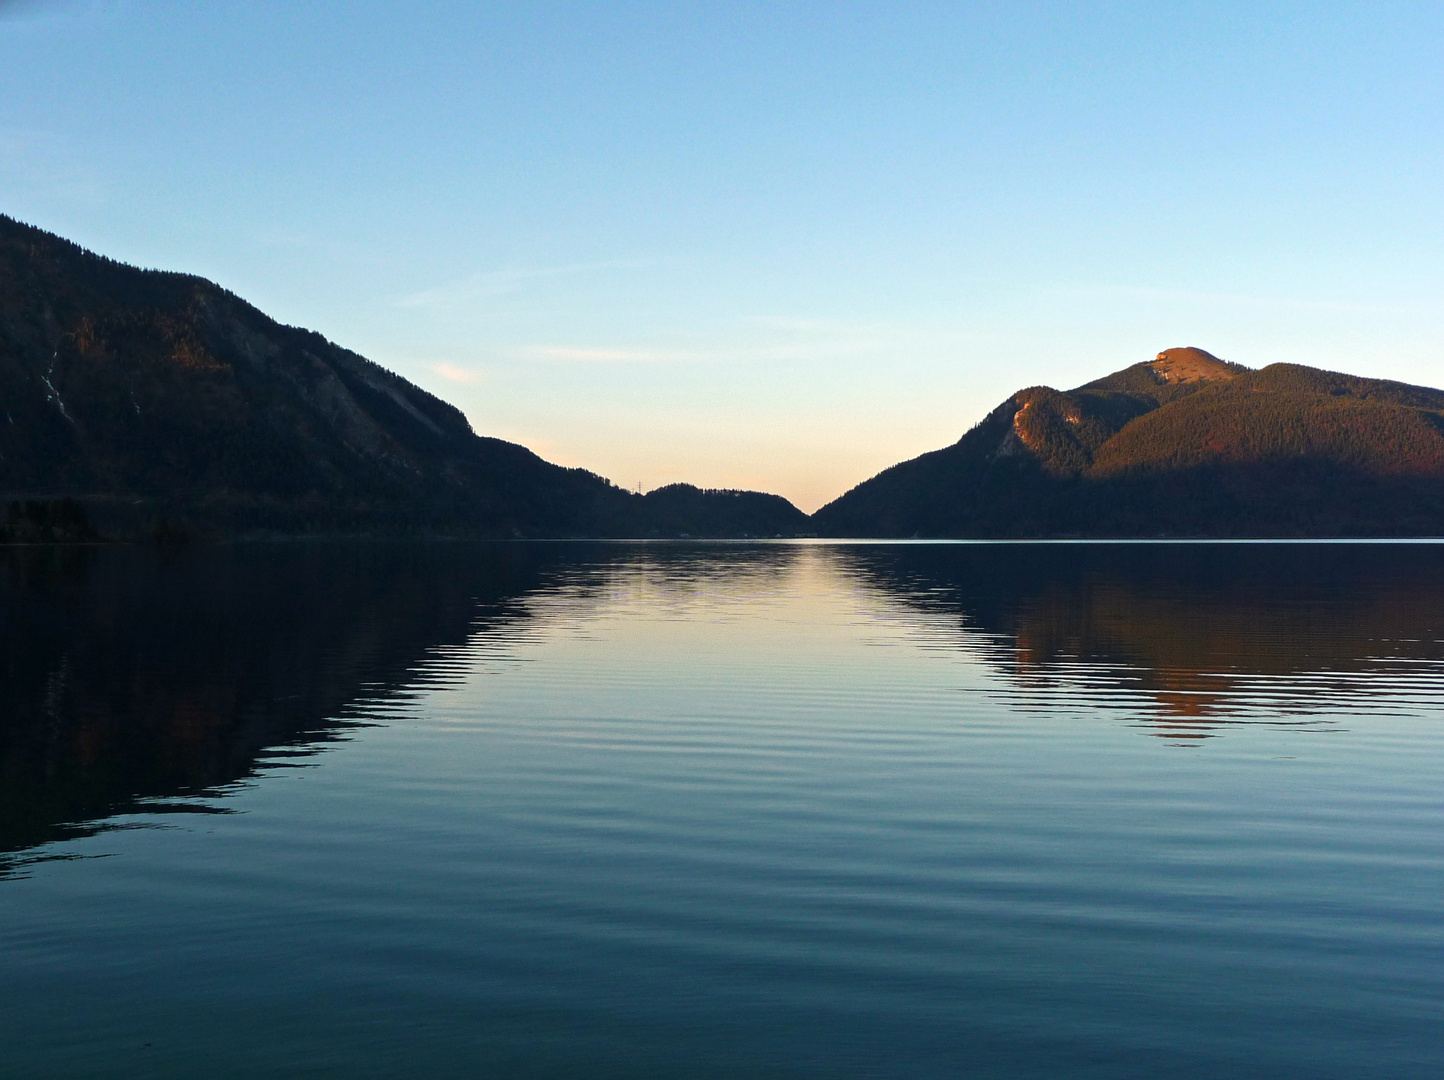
1187, 638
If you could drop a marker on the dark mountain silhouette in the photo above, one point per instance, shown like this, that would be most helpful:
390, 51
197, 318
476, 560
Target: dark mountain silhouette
1183, 445
682, 508
160, 401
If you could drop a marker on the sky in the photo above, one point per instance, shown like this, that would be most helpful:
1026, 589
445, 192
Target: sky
775, 245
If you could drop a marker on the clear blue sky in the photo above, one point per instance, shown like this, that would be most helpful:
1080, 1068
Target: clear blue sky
768, 245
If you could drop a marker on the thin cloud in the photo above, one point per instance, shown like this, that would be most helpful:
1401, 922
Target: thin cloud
756, 339
34, 10
813, 327
573, 355
452, 373
777, 352
497, 283
1243, 300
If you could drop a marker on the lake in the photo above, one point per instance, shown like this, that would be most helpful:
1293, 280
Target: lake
713, 810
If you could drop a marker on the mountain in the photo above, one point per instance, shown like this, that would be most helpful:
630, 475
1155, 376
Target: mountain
160, 402
141, 402
1185, 444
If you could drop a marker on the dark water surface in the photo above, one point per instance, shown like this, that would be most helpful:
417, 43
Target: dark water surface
706, 810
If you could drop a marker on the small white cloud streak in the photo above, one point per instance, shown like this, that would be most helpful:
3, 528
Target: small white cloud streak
452, 373
573, 355
496, 283
760, 339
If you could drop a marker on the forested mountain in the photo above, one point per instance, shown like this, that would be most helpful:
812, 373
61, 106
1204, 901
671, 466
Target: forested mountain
160, 401
140, 402
1182, 445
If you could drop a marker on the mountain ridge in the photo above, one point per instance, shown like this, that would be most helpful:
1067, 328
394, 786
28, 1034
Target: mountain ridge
148, 402
162, 400
1183, 445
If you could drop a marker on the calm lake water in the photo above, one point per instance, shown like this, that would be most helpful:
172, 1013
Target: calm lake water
567, 810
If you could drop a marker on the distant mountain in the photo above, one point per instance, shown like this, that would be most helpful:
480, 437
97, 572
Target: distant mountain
1183, 445
161, 402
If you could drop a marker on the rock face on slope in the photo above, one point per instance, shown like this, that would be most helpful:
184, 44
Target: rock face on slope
1181, 445
160, 400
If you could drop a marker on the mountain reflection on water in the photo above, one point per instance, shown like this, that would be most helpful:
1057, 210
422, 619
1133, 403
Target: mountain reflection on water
131, 675
676, 810
136, 675
1188, 638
